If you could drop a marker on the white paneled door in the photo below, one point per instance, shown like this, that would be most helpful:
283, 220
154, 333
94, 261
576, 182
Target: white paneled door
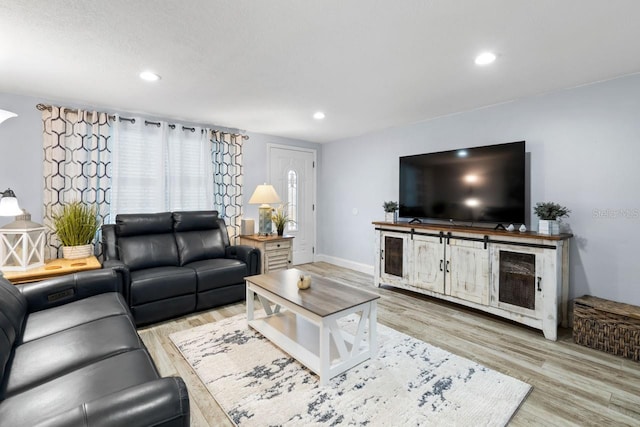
293, 175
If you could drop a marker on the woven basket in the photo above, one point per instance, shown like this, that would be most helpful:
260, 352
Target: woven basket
77, 252
608, 326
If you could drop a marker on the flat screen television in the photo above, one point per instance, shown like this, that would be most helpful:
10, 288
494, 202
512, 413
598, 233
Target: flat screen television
479, 184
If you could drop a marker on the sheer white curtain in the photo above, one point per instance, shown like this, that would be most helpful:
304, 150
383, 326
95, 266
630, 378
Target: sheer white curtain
189, 169
160, 167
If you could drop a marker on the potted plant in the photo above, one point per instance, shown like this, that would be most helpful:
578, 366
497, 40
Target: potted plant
549, 214
76, 225
280, 218
390, 209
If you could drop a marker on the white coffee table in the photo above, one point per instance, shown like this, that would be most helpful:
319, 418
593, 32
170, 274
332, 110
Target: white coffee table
304, 323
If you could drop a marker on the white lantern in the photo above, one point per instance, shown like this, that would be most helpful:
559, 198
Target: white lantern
21, 244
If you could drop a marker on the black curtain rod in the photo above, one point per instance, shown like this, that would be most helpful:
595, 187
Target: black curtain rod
172, 126
43, 107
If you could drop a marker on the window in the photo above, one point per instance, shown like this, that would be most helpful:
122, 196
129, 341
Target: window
292, 200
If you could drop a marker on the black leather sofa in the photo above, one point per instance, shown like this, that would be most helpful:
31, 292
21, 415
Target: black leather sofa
70, 356
177, 263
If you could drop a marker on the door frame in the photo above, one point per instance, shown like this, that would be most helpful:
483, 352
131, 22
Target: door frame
314, 209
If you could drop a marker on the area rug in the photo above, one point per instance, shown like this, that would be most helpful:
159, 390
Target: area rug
409, 383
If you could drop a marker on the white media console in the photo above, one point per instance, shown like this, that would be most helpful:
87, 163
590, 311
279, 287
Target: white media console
520, 276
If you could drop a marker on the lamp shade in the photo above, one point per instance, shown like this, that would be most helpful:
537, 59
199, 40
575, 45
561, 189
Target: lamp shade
4, 115
264, 194
9, 204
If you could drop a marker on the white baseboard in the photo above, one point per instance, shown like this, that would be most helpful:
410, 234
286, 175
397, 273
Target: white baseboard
341, 262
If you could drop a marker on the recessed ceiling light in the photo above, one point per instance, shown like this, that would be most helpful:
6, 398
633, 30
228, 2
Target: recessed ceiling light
485, 58
149, 76
319, 115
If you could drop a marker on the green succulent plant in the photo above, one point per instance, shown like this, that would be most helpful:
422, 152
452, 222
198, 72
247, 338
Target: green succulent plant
390, 206
550, 211
76, 224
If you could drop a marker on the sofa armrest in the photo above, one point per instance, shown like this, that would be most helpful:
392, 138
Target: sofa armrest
71, 287
247, 254
123, 271
160, 402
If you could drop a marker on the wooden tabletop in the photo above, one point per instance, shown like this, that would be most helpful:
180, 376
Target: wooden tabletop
474, 230
323, 298
268, 238
52, 268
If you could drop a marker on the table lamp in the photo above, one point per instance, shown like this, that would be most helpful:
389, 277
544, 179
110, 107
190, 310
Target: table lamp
264, 194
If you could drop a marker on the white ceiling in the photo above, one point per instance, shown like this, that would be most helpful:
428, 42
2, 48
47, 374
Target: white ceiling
267, 66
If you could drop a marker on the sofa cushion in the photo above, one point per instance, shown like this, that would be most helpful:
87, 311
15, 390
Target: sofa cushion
199, 235
146, 240
53, 320
142, 224
69, 391
217, 273
195, 220
13, 308
153, 284
54, 355
200, 245
148, 251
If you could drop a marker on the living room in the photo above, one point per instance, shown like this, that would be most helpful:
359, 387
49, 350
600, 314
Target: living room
581, 132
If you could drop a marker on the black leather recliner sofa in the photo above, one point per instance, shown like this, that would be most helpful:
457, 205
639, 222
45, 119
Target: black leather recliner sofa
177, 263
70, 356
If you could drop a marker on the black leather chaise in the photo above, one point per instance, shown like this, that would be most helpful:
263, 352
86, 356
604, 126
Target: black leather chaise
70, 356
177, 263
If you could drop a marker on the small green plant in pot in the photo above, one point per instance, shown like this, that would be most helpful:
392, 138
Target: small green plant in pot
76, 224
280, 218
390, 209
550, 213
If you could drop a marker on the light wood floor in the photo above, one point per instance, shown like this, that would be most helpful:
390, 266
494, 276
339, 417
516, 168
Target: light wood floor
572, 385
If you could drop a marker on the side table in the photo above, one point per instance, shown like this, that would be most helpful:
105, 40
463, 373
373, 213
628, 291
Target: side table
52, 268
276, 252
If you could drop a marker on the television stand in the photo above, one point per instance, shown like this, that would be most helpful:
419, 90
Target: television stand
499, 227
415, 221
523, 277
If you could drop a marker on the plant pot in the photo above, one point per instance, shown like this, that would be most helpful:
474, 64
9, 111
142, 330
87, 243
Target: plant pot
75, 252
390, 217
280, 231
548, 227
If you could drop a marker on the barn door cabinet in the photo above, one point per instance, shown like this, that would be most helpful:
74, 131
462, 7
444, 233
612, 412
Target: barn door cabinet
520, 276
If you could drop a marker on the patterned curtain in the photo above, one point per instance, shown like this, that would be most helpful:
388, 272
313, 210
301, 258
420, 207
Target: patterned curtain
227, 179
76, 164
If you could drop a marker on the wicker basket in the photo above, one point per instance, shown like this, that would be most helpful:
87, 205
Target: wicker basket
609, 326
77, 252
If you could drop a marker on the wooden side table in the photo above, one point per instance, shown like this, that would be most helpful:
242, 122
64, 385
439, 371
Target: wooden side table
276, 252
52, 268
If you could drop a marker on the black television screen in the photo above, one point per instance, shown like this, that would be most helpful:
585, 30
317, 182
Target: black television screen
480, 184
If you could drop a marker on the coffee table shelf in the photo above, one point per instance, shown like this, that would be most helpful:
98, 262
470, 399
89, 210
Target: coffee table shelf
297, 322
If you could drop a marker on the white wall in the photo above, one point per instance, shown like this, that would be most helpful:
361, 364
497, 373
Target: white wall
584, 146
21, 154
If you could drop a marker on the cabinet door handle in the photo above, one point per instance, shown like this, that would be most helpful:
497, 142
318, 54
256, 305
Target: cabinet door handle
539, 280
441, 265
447, 269
278, 244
